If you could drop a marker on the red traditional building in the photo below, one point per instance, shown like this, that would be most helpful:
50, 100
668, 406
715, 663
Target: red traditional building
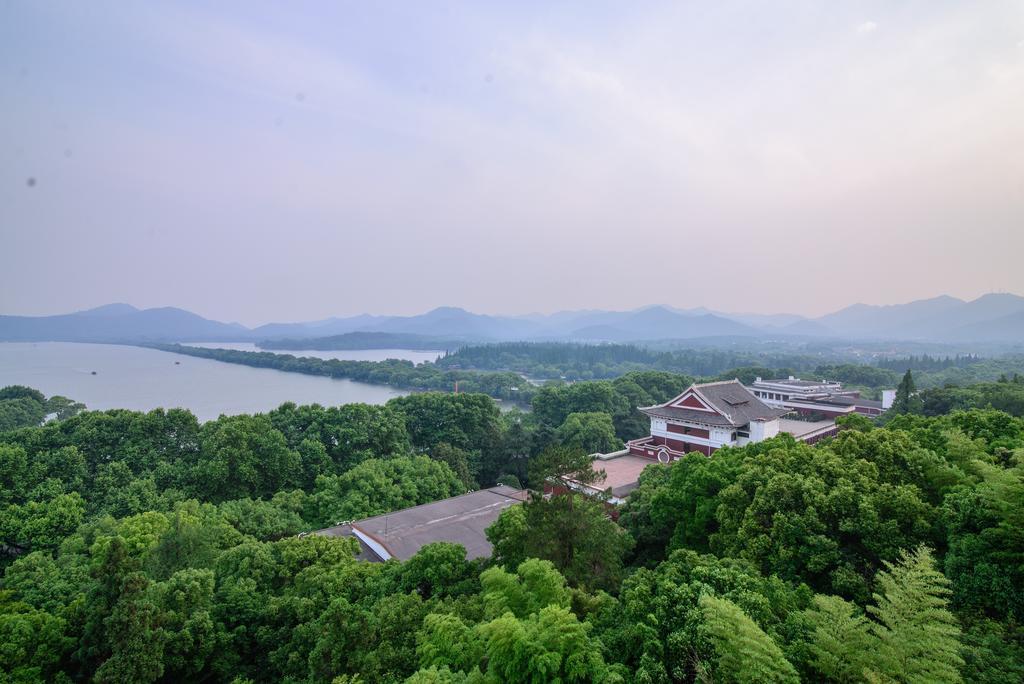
712, 415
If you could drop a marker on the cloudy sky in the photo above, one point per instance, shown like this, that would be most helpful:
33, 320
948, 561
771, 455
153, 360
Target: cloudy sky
255, 163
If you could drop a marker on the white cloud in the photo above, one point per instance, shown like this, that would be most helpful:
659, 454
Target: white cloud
867, 27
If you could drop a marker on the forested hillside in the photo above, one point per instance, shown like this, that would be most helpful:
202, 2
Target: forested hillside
150, 547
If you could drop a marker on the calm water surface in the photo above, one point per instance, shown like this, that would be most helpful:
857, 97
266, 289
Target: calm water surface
343, 354
144, 379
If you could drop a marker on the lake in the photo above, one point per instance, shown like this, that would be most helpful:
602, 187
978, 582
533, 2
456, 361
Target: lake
343, 354
144, 379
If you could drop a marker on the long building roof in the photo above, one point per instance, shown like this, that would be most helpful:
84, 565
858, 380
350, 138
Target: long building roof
459, 519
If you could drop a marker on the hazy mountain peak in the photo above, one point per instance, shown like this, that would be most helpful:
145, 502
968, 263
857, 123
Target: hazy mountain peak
115, 309
1001, 297
448, 311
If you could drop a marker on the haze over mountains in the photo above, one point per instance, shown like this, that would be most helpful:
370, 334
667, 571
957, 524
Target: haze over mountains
990, 318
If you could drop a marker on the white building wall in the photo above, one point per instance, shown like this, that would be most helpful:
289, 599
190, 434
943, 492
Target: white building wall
721, 436
716, 438
888, 397
763, 429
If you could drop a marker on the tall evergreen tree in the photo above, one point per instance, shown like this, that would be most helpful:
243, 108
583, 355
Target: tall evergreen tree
918, 638
745, 652
841, 645
914, 638
907, 399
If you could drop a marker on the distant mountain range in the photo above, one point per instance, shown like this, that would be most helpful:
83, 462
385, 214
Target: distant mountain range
119, 322
990, 318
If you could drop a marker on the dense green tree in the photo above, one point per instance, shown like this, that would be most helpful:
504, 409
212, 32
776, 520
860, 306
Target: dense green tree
244, 456
349, 434
840, 641
63, 408
917, 638
457, 459
591, 432
660, 627
535, 584
17, 413
993, 652
438, 569
551, 645
21, 392
818, 516
571, 531
563, 467
43, 523
32, 641
375, 487
675, 506
446, 641
553, 403
264, 520
470, 422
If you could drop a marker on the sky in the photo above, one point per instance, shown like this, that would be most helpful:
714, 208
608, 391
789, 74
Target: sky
261, 162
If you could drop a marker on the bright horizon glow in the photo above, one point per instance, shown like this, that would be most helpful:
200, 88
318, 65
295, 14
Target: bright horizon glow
254, 163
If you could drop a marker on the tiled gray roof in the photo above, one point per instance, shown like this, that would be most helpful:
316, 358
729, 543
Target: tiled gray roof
686, 414
737, 401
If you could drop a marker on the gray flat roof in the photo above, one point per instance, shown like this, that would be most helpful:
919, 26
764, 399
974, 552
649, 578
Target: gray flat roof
797, 428
460, 520
796, 382
852, 401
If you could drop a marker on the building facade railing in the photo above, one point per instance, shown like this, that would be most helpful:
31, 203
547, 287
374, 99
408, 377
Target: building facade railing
648, 448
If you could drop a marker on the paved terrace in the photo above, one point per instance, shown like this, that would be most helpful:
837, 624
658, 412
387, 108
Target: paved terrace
622, 471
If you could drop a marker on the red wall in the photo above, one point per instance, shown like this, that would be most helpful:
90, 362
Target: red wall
691, 402
680, 429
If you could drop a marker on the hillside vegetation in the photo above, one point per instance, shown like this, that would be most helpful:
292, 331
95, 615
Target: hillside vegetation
145, 547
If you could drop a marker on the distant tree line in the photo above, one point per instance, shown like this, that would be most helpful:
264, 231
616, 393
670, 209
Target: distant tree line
395, 372
364, 340
928, 363
569, 361
497, 370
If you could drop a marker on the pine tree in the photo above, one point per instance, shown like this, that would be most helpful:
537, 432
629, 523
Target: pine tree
906, 400
914, 638
745, 652
842, 643
918, 638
